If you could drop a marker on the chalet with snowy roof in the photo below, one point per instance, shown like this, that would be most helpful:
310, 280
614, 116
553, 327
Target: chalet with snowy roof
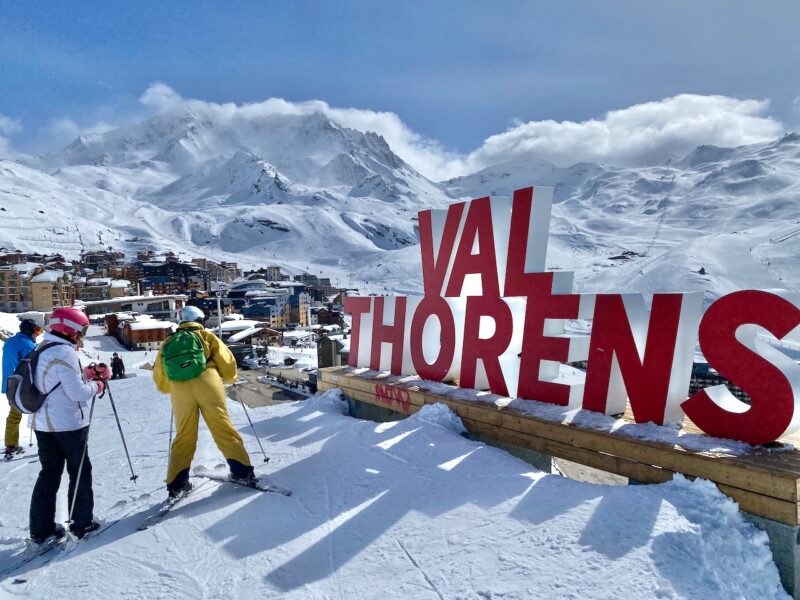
160, 307
258, 335
234, 326
299, 339
143, 332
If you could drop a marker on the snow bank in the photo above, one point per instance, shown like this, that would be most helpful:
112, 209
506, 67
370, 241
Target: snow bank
330, 401
9, 325
440, 415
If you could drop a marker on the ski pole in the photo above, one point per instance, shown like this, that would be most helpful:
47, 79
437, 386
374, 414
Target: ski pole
169, 449
246, 412
80, 466
30, 441
119, 426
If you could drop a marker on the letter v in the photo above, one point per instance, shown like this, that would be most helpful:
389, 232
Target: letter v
435, 265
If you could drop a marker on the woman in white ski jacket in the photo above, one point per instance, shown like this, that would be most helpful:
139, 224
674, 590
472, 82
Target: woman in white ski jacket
62, 429
67, 406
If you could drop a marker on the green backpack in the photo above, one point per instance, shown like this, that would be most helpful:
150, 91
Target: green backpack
183, 356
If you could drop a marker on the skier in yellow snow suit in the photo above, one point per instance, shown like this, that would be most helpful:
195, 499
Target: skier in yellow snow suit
202, 394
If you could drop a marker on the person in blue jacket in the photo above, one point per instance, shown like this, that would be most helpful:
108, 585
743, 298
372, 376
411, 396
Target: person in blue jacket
17, 347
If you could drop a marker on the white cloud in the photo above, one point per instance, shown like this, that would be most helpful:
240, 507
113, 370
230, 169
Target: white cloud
161, 97
8, 126
641, 134
424, 154
64, 130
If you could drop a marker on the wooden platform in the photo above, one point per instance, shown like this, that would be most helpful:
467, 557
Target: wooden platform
765, 482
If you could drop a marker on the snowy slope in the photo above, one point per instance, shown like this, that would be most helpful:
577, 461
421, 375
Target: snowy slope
733, 211
297, 190
393, 511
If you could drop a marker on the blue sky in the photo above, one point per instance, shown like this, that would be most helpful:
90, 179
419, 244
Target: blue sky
454, 71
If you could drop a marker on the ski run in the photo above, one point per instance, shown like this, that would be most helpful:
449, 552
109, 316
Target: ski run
402, 510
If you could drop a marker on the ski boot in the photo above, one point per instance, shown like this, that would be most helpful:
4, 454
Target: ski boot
58, 533
177, 492
81, 532
11, 451
250, 480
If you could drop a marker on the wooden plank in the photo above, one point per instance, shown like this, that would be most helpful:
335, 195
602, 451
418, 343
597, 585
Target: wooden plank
598, 460
761, 476
776, 509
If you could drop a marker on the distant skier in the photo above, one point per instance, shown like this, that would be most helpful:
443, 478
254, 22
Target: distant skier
17, 347
117, 367
192, 365
62, 427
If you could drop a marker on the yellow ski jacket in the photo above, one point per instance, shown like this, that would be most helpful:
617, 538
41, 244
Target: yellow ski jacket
218, 357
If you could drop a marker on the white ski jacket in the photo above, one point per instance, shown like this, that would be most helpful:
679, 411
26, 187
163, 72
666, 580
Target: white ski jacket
67, 406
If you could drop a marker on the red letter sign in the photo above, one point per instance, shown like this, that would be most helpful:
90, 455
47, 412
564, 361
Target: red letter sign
630, 353
773, 385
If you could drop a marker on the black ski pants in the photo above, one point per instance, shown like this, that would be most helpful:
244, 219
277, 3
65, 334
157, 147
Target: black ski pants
55, 450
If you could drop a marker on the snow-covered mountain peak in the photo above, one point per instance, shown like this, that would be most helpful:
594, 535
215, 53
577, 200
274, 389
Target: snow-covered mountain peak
242, 185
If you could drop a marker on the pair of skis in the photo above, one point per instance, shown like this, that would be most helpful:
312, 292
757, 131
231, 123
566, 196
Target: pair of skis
218, 473
67, 542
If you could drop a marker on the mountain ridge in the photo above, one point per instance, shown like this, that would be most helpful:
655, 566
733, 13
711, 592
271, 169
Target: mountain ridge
305, 192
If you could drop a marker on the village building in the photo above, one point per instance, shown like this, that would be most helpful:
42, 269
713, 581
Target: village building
258, 335
14, 286
13, 258
102, 288
225, 272
102, 262
51, 289
298, 339
160, 307
140, 332
332, 351
270, 273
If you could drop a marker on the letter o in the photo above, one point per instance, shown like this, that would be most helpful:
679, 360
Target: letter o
431, 306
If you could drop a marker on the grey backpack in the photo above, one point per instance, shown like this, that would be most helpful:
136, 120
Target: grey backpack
21, 391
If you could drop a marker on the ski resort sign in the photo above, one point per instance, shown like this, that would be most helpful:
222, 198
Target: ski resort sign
492, 318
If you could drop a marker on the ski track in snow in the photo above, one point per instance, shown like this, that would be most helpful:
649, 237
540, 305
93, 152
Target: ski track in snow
386, 511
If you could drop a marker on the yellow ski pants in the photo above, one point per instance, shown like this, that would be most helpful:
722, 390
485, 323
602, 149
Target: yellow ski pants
12, 427
203, 394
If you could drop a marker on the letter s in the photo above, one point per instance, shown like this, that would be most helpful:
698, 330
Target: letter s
728, 341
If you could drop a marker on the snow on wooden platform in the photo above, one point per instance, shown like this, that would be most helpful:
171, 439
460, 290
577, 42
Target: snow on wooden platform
764, 481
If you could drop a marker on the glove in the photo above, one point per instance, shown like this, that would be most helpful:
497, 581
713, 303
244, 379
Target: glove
95, 372
101, 387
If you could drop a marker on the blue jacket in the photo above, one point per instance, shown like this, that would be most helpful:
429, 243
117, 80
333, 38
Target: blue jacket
17, 347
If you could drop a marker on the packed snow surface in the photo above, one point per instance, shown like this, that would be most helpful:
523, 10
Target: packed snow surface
409, 509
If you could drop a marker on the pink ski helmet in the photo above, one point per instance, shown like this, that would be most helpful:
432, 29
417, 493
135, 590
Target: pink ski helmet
68, 321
